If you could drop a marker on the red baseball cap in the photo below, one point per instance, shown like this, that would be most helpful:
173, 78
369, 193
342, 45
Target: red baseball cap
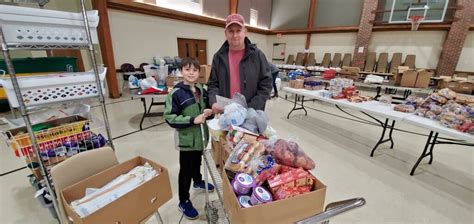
234, 19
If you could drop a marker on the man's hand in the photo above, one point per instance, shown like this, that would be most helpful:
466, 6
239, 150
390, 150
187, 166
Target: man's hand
200, 119
216, 109
207, 112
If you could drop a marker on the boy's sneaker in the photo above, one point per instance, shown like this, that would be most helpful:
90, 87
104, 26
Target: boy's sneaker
188, 210
202, 186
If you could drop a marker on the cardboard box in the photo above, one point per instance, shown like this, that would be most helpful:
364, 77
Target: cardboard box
423, 79
470, 78
402, 69
350, 71
281, 211
408, 78
204, 74
453, 85
133, 207
465, 87
173, 80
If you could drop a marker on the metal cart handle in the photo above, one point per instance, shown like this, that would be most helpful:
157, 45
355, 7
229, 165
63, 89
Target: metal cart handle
334, 209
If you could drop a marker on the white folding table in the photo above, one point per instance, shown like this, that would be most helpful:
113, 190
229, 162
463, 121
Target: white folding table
374, 108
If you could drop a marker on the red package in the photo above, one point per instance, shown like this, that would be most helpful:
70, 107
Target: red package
293, 178
285, 192
349, 91
329, 74
267, 174
284, 169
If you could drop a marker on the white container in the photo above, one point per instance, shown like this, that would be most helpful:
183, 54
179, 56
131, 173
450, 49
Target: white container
32, 26
38, 90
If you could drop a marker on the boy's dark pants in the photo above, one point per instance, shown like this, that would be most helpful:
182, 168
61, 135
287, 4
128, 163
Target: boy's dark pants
190, 168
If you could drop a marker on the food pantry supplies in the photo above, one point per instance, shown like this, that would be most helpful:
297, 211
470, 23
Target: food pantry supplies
293, 178
260, 195
244, 201
288, 153
243, 183
238, 161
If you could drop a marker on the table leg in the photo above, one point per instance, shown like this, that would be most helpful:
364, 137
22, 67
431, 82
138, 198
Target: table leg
390, 134
377, 95
151, 104
423, 154
381, 140
144, 112
431, 148
297, 108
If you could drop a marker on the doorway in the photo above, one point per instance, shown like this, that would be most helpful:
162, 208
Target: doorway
278, 56
193, 48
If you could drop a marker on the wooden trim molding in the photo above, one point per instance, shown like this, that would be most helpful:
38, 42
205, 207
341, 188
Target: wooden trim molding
150, 9
106, 49
336, 29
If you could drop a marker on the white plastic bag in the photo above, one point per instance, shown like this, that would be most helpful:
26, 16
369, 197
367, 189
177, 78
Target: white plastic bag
147, 83
373, 79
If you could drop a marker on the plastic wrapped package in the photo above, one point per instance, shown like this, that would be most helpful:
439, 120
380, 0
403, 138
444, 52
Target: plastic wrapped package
451, 119
406, 108
467, 127
456, 108
234, 114
288, 153
447, 93
267, 174
431, 115
255, 121
421, 111
415, 101
436, 109
148, 83
239, 158
439, 98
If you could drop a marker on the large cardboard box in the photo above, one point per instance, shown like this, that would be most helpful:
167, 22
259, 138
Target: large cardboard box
133, 207
423, 79
402, 69
204, 74
173, 80
408, 78
465, 87
282, 211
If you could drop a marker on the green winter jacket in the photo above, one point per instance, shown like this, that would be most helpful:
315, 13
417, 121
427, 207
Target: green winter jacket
180, 110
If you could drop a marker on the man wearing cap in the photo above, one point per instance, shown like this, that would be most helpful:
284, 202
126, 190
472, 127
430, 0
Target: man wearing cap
239, 67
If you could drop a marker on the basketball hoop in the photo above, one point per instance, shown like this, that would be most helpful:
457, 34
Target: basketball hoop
415, 21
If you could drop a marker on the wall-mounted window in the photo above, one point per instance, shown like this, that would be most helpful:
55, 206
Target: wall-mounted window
189, 6
290, 14
253, 17
338, 13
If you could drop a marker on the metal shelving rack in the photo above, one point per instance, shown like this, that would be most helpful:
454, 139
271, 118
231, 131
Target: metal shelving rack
24, 110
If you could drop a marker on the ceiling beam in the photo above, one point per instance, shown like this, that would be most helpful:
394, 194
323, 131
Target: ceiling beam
233, 6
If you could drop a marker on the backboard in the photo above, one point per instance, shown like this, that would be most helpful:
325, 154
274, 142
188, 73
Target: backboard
433, 11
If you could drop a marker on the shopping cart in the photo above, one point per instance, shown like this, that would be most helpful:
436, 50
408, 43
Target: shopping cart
215, 211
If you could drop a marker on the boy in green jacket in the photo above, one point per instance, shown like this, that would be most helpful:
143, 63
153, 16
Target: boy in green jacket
185, 110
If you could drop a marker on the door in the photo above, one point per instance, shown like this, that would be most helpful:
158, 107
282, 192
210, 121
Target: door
278, 56
193, 48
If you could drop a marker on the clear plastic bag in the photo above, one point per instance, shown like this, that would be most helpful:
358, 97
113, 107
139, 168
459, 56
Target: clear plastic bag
234, 114
256, 121
147, 83
288, 153
239, 159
